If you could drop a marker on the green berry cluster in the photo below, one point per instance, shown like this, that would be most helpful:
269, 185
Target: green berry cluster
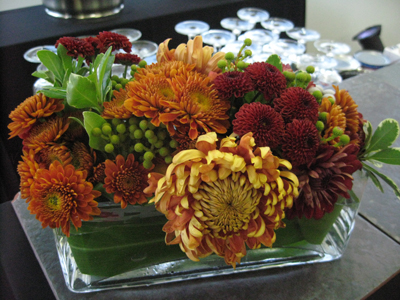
139, 136
134, 68
118, 82
337, 132
236, 63
299, 78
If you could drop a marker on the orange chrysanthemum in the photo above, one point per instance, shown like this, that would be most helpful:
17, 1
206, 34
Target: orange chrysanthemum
28, 112
62, 195
349, 107
335, 118
192, 53
126, 179
116, 108
98, 173
44, 133
147, 97
27, 169
197, 107
81, 157
220, 200
53, 153
169, 69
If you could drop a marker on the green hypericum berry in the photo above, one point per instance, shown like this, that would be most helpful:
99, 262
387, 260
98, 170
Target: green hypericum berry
247, 42
168, 159
138, 134
106, 129
134, 68
96, 132
115, 78
143, 124
241, 65
159, 144
337, 131
124, 81
221, 64
164, 151
118, 86
248, 52
151, 126
301, 76
344, 139
320, 125
121, 128
308, 78
161, 134
147, 164
142, 63
229, 56
290, 76
310, 69
153, 140
116, 122
173, 144
148, 155
122, 137
132, 128
133, 120
322, 116
114, 83
317, 95
109, 148
139, 147
331, 100
149, 134
114, 139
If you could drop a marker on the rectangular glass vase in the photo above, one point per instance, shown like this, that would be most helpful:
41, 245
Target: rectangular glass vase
126, 248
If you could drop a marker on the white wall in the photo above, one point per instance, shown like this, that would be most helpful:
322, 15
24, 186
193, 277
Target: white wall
339, 20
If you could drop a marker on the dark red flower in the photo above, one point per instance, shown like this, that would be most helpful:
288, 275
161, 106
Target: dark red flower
323, 180
300, 142
263, 121
111, 39
266, 79
126, 59
297, 103
233, 84
76, 47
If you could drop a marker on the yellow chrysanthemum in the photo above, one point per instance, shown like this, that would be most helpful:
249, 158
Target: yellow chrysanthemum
349, 107
192, 53
220, 199
335, 118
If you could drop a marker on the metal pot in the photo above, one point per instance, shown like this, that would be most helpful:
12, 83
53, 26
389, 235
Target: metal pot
82, 9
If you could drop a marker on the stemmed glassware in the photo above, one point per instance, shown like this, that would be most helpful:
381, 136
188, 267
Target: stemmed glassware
236, 25
332, 48
261, 37
218, 38
31, 54
289, 50
235, 47
130, 33
303, 35
277, 25
324, 73
191, 28
253, 15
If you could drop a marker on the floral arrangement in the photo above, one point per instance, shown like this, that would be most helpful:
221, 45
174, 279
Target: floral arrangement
226, 150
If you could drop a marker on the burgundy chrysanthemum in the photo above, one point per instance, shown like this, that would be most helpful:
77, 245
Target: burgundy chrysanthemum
297, 103
116, 41
233, 83
300, 142
266, 79
126, 59
263, 121
323, 180
76, 47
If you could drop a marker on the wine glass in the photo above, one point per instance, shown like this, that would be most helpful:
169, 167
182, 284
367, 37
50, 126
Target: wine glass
277, 25
130, 33
324, 74
31, 54
236, 25
260, 37
289, 50
218, 38
191, 28
235, 47
144, 48
303, 35
332, 48
253, 15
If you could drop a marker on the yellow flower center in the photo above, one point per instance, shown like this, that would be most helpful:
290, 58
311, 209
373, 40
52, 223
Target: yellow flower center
202, 100
228, 204
54, 201
167, 93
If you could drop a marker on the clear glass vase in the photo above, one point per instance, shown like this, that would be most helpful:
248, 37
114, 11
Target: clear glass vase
126, 248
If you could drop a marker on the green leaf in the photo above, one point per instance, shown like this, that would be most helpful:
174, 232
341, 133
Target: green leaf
384, 136
77, 120
388, 156
374, 180
385, 178
40, 74
92, 120
353, 196
65, 58
54, 93
275, 61
81, 92
368, 134
66, 78
53, 63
